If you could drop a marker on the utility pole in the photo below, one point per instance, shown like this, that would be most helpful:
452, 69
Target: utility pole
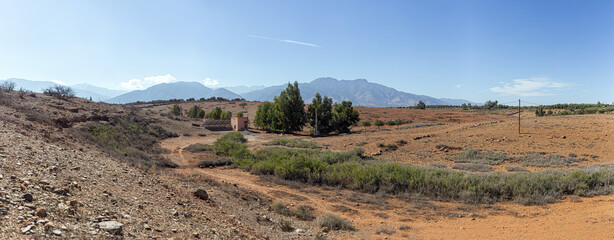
518, 116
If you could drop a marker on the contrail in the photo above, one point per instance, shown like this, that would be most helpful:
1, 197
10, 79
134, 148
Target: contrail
285, 40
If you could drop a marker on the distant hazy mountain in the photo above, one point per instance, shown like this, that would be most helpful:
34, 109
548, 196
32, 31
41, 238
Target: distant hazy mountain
176, 90
244, 89
360, 92
34, 86
452, 101
81, 90
97, 93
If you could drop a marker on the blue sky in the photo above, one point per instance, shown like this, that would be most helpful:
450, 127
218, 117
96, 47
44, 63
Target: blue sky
542, 51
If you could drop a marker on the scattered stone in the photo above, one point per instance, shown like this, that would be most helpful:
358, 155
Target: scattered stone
41, 213
147, 227
201, 194
113, 227
195, 235
28, 197
57, 232
27, 229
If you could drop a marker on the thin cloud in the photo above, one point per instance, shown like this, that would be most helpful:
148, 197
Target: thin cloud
285, 40
210, 82
139, 84
458, 86
530, 87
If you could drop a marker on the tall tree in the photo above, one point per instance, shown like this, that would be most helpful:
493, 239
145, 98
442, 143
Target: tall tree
290, 109
344, 116
321, 108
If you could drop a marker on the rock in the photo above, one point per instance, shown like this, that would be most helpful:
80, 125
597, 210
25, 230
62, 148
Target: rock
147, 227
27, 229
195, 235
299, 231
113, 227
57, 232
201, 194
41, 213
74, 203
28, 197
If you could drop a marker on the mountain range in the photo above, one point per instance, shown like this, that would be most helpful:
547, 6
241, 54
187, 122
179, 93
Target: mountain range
360, 92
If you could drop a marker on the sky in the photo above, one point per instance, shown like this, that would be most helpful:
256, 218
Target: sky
540, 51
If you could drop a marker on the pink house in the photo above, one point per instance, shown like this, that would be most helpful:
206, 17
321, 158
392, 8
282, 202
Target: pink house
239, 123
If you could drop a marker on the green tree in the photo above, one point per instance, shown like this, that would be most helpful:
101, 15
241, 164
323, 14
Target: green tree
420, 105
264, 116
491, 104
344, 116
323, 107
378, 123
215, 114
196, 112
176, 110
464, 106
289, 110
239, 114
226, 115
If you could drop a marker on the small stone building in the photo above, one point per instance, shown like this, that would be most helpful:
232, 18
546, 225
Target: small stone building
239, 123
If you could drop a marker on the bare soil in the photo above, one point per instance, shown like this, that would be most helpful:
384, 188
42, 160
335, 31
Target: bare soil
160, 203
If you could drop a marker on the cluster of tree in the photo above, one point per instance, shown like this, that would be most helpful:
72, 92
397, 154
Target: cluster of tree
287, 113
218, 114
196, 112
176, 100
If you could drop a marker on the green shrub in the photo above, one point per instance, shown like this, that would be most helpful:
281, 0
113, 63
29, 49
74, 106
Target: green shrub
196, 112
230, 143
334, 222
295, 142
198, 147
176, 110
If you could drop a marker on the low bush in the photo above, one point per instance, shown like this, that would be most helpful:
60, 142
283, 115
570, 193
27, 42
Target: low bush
353, 171
334, 222
213, 163
302, 212
295, 142
480, 157
59, 91
475, 156
231, 143
472, 167
198, 147
515, 169
286, 226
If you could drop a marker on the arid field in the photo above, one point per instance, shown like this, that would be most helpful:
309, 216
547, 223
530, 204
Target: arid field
81, 181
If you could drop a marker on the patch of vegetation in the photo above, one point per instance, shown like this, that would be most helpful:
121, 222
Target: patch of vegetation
352, 171
59, 91
476, 156
214, 163
198, 147
553, 160
294, 142
379, 123
383, 230
218, 114
230, 144
196, 112
131, 139
387, 147
334, 222
515, 169
397, 121
418, 125
472, 167
302, 212
286, 226
176, 110
7, 85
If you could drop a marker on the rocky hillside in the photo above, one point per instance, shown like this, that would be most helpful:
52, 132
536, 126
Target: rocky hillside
56, 184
